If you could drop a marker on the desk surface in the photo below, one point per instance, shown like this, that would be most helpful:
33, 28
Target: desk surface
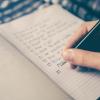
21, 80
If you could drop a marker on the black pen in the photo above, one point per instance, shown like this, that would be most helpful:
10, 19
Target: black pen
90, 41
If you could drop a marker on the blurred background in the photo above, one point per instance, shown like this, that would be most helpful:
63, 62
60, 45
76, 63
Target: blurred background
11, 9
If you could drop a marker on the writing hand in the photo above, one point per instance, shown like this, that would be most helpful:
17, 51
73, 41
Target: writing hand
81, 57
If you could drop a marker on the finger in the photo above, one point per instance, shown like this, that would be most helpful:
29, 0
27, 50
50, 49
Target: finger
81, 31
82, 58
77, 34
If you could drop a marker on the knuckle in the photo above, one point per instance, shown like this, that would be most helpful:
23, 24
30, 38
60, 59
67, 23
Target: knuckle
83, 59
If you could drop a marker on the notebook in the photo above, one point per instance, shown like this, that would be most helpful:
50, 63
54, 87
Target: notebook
40, 37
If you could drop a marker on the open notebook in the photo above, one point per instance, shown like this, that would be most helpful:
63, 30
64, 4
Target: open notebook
40, 37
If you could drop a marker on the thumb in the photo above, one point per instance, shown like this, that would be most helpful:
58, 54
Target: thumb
82, 58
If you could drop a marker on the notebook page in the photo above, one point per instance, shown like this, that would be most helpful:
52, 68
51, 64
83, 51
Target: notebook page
41, 37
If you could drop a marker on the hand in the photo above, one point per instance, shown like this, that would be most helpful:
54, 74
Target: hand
81, 57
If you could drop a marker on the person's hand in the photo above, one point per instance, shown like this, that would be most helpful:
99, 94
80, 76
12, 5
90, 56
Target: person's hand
81, 57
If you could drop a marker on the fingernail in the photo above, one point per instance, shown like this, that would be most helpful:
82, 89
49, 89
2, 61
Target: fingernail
69, 55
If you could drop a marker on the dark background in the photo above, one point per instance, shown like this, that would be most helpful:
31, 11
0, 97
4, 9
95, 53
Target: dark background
11, 9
